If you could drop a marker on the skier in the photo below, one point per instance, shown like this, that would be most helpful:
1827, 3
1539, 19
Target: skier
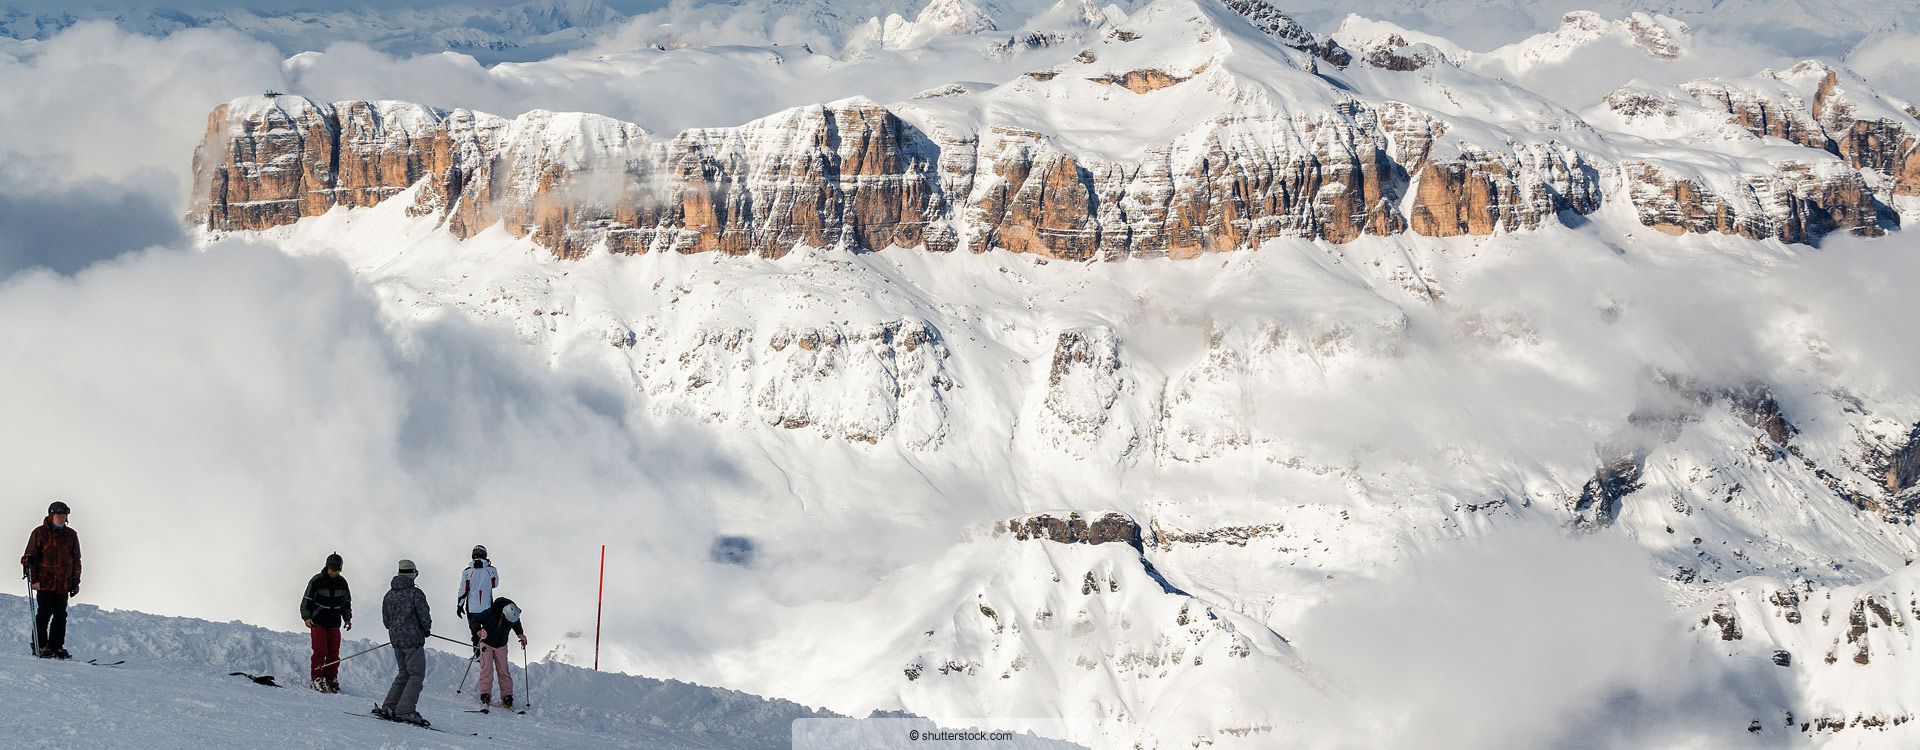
52, 568
477, 583
408, 622
494, 623
325, 607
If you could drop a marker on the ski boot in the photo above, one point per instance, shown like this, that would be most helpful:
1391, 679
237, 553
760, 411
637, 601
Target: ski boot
382, 712
506, 701
486, 699
319, 685
333, 686
413, 718
61, 654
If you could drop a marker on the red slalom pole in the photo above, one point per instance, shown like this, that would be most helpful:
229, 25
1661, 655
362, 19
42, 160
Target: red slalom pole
599, 604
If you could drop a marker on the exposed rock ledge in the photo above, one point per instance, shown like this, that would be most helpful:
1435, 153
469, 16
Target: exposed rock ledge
1110, 527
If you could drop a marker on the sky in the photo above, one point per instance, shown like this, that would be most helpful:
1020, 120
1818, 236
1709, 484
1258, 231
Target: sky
288, 6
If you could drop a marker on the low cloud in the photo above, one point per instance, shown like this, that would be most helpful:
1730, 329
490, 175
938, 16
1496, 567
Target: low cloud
221, 420
1526, 638
1589, 72
66, 226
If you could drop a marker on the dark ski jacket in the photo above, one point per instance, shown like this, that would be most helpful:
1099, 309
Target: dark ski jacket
405, 613
328, 601
53, 557
494, 620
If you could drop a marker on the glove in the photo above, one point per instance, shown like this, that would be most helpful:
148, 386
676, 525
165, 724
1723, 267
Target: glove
460, 610
523, 641
349, 624
75, 591
480, 634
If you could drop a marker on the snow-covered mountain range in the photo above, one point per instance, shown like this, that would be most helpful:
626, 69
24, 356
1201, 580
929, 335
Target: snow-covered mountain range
1172, 373
489, 32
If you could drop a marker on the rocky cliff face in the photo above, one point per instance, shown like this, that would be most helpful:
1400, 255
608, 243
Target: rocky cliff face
858, 174
1798, 202
1816, 106
281, 159
1289, 149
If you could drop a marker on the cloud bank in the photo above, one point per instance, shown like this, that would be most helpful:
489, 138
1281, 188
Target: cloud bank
221, 420
1530, 639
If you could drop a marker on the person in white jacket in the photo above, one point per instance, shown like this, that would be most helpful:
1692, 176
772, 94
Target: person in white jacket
476, 588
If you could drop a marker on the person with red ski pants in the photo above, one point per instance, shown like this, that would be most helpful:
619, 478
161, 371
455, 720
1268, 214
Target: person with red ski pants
492, 627
325, 608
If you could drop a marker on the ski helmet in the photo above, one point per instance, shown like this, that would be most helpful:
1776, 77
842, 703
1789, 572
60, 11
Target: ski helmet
334, 562
511, 611
479, 552
58, 507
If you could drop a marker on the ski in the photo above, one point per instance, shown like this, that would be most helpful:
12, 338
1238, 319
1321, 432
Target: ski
428, 727
98, 663
376, 717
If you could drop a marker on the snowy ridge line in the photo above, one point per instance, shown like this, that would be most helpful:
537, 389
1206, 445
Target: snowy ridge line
1194, 127
577, 707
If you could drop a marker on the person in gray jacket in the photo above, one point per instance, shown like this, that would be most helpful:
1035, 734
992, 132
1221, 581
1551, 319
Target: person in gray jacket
408, 623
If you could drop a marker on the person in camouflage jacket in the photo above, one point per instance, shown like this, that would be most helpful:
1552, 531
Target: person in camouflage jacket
408, 621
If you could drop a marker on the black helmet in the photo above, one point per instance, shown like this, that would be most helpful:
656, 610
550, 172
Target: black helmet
58, 507
334, 562
479, 552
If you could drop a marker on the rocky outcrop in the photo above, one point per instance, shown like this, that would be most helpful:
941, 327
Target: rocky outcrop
1107, 528
1754, 404
1725, 620
1799, 203
1142, 81
859, 382
814, 175
270, 162
1658, 36
1278, 25
1815, 106
1600, 498
1482, 193
1900, 466
1394, 52
1779, 113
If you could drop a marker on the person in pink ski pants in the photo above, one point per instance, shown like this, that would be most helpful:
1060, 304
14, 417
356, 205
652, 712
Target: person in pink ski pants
491, 628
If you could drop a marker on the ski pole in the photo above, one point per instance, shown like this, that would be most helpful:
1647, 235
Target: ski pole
526, 675
344, 658
468, 644
33, 616
462, 687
